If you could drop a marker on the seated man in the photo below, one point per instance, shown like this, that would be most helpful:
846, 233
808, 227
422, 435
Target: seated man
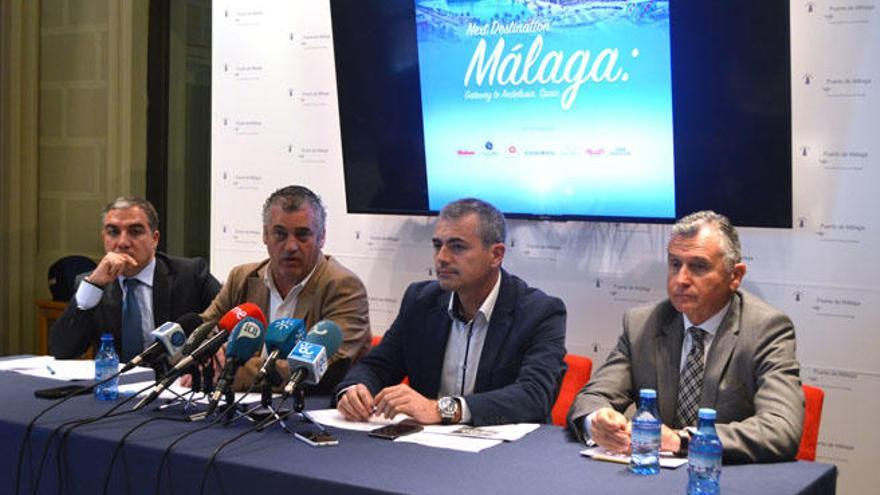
299, 281
478, 345
710, 344
133, 289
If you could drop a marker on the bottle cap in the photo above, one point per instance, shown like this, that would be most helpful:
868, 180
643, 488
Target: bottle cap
107, 336
648, 393
706, 413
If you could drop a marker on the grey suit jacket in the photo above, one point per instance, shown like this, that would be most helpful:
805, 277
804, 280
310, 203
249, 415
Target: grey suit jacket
752, 376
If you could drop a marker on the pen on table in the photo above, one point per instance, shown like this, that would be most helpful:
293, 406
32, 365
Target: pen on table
51, 371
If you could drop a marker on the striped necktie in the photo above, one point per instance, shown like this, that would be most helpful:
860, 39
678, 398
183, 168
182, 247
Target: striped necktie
690, 384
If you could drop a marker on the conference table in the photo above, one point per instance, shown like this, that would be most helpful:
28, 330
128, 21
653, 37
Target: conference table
272, 461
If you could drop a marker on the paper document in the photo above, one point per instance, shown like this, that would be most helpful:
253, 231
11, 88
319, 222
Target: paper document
469, 439
175, 391
445, 441
507, 433
332, 418
240, 397
667, 460
25, 363
58, 369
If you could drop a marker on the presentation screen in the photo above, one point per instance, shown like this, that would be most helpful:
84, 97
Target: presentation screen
566, 109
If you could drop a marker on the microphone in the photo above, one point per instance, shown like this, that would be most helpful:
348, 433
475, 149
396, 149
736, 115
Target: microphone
240, 312
168, 339
281, 336
245, 341
198, 336
308, 359
190, 323
207, 348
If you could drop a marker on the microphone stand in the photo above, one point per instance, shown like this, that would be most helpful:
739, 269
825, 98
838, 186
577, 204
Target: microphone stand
208, 382
230, 408
189, 398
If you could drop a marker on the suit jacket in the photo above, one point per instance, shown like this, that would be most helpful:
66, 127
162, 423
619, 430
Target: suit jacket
752, 376
332, 293
520, 368
180, 285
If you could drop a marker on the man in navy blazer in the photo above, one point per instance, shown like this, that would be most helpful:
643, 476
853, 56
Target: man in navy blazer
167, 286
477, 345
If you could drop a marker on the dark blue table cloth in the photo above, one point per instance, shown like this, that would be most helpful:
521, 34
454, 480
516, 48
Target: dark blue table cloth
545, 461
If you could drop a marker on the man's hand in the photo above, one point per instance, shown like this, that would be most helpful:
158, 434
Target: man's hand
111, 266
669, 439
356, 404
401, 399
611, 431
247, 374
217, 362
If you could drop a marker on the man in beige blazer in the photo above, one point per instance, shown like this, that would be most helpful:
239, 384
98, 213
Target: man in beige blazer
299, 281
744, 347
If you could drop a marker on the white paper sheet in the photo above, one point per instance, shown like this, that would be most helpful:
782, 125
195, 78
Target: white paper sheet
332, 418
667, 460
507, 433
169, 393
439, 436
58, 369
445, 441
25, 363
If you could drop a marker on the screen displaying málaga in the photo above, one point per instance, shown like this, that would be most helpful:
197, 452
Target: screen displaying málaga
561, 107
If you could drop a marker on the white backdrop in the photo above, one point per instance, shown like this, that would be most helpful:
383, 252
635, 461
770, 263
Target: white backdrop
275, 123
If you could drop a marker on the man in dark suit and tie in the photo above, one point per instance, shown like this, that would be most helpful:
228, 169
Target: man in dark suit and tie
477, 345
710, 344
133, 289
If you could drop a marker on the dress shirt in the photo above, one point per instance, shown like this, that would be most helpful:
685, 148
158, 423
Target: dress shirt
455, 369
88, 295
282, 307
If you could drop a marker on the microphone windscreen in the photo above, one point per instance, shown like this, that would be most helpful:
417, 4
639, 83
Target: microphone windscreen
246, 339
240, 312
326, 333
283, 334
197, 337
189, 322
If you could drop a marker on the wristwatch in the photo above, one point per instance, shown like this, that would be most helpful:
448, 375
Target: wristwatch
449, 409
684, 439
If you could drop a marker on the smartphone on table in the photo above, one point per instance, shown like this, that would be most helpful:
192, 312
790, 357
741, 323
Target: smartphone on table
316, 437
390, 432
61, 392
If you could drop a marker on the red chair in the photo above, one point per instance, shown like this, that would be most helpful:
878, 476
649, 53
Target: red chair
815, 398
577, 375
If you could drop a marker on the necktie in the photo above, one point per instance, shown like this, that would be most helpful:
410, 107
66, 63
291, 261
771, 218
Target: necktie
690, 384
132, 326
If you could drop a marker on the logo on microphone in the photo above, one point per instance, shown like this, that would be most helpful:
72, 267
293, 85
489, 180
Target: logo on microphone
240, 313
250, 330
178, 339
307, 350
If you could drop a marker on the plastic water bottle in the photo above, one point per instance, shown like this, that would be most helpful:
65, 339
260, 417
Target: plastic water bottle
645, 457
106, 364
704, 456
